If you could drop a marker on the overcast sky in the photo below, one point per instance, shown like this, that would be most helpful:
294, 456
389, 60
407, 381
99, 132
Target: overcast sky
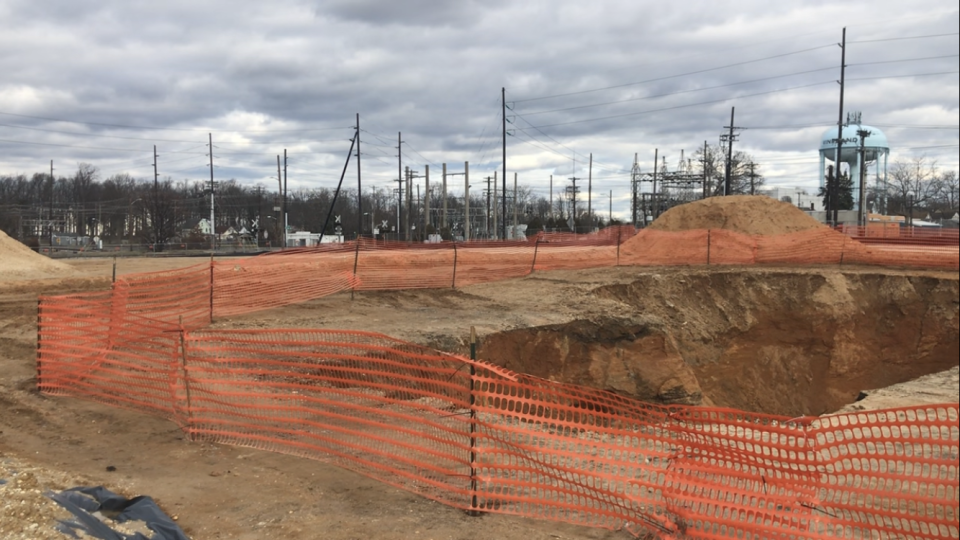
103, 81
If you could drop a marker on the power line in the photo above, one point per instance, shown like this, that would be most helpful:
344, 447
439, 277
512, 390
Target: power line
904, 60
680, 92
904, 76
903, 38
707, 70
172, 129
711, 102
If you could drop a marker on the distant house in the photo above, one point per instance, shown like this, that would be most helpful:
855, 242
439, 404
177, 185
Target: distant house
196, 226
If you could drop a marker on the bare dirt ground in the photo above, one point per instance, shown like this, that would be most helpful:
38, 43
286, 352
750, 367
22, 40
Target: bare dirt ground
219, 491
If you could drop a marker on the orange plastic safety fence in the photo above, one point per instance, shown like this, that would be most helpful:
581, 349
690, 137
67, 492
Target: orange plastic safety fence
478, 437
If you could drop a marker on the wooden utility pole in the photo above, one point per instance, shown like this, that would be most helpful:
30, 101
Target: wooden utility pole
407, 183
495, 205
156, 200
706, 185
466, 201
443, 218
503, 101
426, 200
359, 191
726, 174
862, 199
653, 199
278, 208
551, 197
400, 183
835, 192
590, 192
486, 217
515, 204
753, 177
213, 227
286, 218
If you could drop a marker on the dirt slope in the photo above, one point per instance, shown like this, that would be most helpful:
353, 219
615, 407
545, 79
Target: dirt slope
747, 214
17, 261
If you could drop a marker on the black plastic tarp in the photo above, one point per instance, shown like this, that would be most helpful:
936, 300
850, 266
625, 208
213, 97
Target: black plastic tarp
83, 502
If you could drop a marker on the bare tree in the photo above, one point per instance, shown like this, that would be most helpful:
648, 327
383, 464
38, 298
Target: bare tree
916, 178
713, 160
82, 186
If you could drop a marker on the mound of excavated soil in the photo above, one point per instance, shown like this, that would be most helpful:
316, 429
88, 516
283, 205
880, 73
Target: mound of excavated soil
18, 261
746, 214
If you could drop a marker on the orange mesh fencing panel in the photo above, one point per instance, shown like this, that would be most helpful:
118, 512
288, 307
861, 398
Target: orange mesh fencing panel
889, 474
392, 410
728, 247
478, 437
919, 256
553, 256
651, 247
260, 283
170, 296
814, 246
98, 350
387, 269
482, 264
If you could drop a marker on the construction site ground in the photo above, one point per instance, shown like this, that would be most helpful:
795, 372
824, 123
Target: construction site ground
723, 336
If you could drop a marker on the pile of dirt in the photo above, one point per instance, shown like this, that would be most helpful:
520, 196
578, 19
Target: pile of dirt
746, 214
17, 261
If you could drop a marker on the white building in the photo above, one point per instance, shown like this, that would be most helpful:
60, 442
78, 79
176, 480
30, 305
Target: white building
307, 239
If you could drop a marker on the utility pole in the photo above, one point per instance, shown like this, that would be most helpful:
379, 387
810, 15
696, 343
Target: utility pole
495, 205
551, 197
653, 200
426, 200
406, 221
706, 186
399, 182
730, 139
610, 215
156, 199
835, 192
443, 218
52, 183
213, 228
503, 101
634, 188
466, 201
279, 207
590, 192
573, 201
359, 188
486, 217
753, 177
286, 214
862, 199
515, 204
259, 213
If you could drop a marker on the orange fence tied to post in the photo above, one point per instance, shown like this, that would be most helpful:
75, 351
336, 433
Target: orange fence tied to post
484, 439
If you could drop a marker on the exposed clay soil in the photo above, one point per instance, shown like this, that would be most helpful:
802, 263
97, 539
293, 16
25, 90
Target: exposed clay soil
790, 341
747, 214
17, 261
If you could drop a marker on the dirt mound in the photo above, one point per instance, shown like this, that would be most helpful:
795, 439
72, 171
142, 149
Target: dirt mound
747, 214
17, 261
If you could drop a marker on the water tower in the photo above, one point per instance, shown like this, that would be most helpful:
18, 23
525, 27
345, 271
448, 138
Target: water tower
875, 148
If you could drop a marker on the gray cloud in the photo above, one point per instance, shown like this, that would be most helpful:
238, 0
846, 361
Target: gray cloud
293, 75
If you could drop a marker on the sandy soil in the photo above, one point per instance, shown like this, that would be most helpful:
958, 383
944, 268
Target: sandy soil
227, 492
